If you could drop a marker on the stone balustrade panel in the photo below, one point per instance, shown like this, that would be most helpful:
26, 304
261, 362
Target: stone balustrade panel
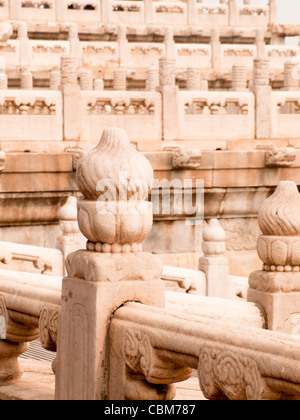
11, 53
211, 115
47, 54
83, 11
285, 114
195, 54
33, 10
258, 15
174, 13
34, 115
139, 113
100, 54
129, 12
141, 55
212, 15
237, 54
279, 54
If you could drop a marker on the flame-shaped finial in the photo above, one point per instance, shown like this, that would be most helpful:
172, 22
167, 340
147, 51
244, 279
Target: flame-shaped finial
280, 213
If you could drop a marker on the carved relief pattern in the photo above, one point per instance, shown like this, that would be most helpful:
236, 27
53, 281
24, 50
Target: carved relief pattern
193, 52
37, 106
253, 11
169, 9
138, 352
55, 49
216, 107
43, 5
239, 52
122, 7
126, 106
145, 51
48, 326
212, 10
229, 374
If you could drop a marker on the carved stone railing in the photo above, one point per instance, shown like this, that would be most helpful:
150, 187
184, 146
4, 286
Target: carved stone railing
44, 55
151, 349
108, 348
138, 12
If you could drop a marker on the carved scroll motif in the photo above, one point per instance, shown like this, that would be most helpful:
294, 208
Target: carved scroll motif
48, 327
230, 375
126, 106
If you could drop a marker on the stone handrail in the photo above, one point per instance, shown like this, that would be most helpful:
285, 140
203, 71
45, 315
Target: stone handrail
21, 257
150, 349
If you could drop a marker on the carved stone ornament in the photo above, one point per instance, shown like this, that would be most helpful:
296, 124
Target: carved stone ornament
279, 221
115, 181
185, 159
277, 286
48, 327
280, 158
229, 375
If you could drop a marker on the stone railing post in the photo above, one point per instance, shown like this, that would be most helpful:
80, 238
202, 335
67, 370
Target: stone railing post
215, 49
213, 263
55, 79
24, 45
262, 91
71, 95
260, 43
106, 8
277, 286
120, 79
149, 11
193, 78
191, 12
99, 84
71, 239
273, 12
75, 48
152, 79
239, 78
170, 43
233, 13
169, 92
26, 80
86, 80
291, 75
3, 75
115, 181
123, 46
